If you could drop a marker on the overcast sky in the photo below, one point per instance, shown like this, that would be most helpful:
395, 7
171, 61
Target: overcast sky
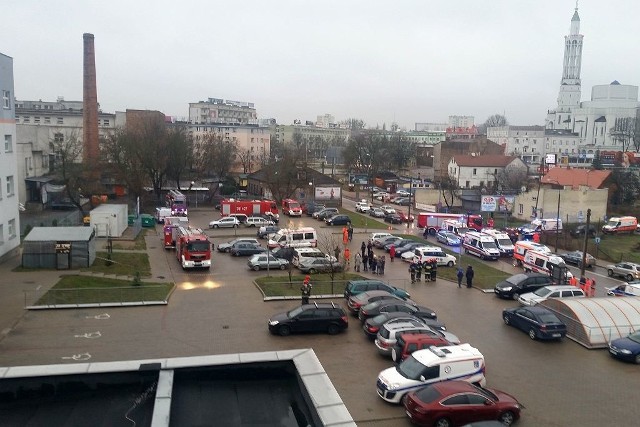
380, 61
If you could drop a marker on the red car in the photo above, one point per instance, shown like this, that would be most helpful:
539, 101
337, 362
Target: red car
404, 216
456, 403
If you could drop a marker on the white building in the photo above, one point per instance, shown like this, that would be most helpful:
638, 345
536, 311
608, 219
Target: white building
461, 121
9, 212
482, 171
592, 121
221, 111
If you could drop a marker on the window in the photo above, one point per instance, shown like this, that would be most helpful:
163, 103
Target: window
6, 99
12, 229
59, 120
36, 120
10, 186
26, 119
8, 144
460, 399
105, 122
47, 120
474, 171
467, 183
520, 208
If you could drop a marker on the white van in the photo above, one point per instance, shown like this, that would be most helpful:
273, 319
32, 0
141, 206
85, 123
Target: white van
456, 227
549, 225
503, 242
425, 253
428, 366
299, 238
546, 292
521, 248
625, 290
161, 214
542, 262
480, 245
308, 252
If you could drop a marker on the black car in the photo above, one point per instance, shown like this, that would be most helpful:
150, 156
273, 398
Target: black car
393, 219
398, 244
284, 253
311, 207
314, 317
381, 306
264, 231
536, 321
325, 213
356, 287
338, 220
372, 325
575, 257
522, 283
579, 230
246, 248
409, 247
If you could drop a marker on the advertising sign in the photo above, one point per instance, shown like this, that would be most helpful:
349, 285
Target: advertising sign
550, 159
327, 193
497, 203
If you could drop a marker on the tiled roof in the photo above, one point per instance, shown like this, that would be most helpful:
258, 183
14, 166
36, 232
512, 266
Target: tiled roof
576, 177
491, 160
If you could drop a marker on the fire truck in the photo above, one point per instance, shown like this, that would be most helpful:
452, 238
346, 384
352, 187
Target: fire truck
177, 202
169, 229
432, 222
249, 207
193, 248
291, 207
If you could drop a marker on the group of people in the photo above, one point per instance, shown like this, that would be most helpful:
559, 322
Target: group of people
428, 267
587, 284
461, 274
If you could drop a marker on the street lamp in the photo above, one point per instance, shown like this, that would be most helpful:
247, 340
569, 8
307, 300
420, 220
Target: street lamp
409, 222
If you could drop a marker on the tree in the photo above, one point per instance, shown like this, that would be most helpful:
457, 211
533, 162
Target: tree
449, 190
283, 176
366, 153
244, 158
328, 244
495, 120
354, 124
511, 179
69, 169
625, 186
214, 155
118, 151
623, 131
180, 150
400, 150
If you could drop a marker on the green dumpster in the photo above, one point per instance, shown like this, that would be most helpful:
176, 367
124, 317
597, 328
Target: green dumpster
132, 218
147, 220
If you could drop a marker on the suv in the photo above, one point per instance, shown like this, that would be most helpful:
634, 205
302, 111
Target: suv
226, 247
546, 292
338, 220
520, 284
388, 333
314, 317
628, 270
408, 342
355, 287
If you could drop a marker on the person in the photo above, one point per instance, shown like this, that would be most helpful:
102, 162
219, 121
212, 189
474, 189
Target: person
434, 269
392, 252
363, 248
426, 270
305, 289
336, 252
412, 271
347, 259
365, 261
460, 275
536, 237
490, 222
350, 232
374, 264
381, 263
418, 271
469, 275
357, 261
370, 249
345, 235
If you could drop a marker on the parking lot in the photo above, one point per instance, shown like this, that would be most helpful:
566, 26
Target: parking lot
560, 383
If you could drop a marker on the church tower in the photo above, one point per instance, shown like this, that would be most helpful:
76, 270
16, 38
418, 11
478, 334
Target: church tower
569, 96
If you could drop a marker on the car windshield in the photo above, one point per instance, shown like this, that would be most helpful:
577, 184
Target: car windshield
635, 337
198, 246
542, 292
294, 312
463, 230
505, 242
489, 245
410, 368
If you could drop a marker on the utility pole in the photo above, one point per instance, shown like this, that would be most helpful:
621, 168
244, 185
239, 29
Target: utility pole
584, 247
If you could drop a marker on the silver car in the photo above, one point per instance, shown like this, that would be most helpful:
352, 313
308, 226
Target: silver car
628, 270
318, 265
225, 222
226, 247
264, 262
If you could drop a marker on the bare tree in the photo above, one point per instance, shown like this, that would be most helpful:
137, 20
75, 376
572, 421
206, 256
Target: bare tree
623, 131
283, 176
244, 158
69, 170
180, 150
449, 190
366, 152
495, 120
328, 244
511, 179
400, 150
215, 155
119, 153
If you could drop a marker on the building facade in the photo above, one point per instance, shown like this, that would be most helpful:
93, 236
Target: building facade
444, 151
221, 111
317, 139
483, 171
9, 201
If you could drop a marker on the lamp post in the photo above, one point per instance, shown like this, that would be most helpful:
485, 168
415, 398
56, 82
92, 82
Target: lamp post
409, 222
557, 221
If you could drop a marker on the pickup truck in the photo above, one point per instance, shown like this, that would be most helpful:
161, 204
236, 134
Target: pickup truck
363, 206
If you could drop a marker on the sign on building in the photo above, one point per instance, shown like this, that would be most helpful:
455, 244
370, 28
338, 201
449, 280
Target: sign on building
327, 193
497, 203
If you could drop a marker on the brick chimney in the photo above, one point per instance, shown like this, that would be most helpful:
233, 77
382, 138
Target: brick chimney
90, 102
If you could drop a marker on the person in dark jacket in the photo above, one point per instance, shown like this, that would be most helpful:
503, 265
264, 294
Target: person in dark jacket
469, 275
460, 275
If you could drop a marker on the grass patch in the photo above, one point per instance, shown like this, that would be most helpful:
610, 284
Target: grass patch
122, 264
363, 221
279, 285
138, 244
79, 289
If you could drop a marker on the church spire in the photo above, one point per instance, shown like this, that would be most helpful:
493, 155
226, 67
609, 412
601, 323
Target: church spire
570, 90
575, 22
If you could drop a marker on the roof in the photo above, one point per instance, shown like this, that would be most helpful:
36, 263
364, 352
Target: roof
485, 160
67, 234
574, 178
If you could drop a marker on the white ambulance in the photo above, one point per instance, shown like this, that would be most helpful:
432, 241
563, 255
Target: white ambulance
480, 245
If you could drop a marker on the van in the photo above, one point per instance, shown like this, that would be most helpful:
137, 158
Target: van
301, 237
425, 253
291, 207
456, 227
161, 214
480, 245
546, 292
503, 242
548, 225
428, 366
543, 262
302, 253
618, 225
521, 248
409, 342
625, 290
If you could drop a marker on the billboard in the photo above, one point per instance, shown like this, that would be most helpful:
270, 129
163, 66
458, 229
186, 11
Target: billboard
327, 193
497, 203
550, 159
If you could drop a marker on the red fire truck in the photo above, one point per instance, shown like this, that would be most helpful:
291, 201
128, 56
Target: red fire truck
169, 229
432, 221
193, 248
291, 207
249, 207
177, 202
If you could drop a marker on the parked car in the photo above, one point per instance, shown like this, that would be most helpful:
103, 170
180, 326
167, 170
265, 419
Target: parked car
408, 342
226, 247
448, 238
408, 248
246, 248
393, 219
388, 209
329, 318
324, 213
389, 332
356, 301
225, 222
575, 257
579, 230
363, 206
546, 292
284, 253
266, 261
318, 265
338, 220
312, 207
372, 325
404, 217
272, 217
454, 403
522, 283
376, 213
403, 193
397, 243
402, 201
258, 221
356, 287
383, 196
377, 307
242, 218
385, 240
538, 322
628, 270
627, 348
264, 231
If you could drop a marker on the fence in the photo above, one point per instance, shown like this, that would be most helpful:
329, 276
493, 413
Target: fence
109, 295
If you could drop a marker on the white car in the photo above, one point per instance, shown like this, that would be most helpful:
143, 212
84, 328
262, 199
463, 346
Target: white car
388, 209
381, 196
363, 207
403, 193
258, 221
225, 222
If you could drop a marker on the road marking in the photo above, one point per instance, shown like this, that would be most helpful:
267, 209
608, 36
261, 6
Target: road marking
89, 335
78, 357
102, 316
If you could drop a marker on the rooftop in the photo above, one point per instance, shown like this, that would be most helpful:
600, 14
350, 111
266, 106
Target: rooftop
574, 177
